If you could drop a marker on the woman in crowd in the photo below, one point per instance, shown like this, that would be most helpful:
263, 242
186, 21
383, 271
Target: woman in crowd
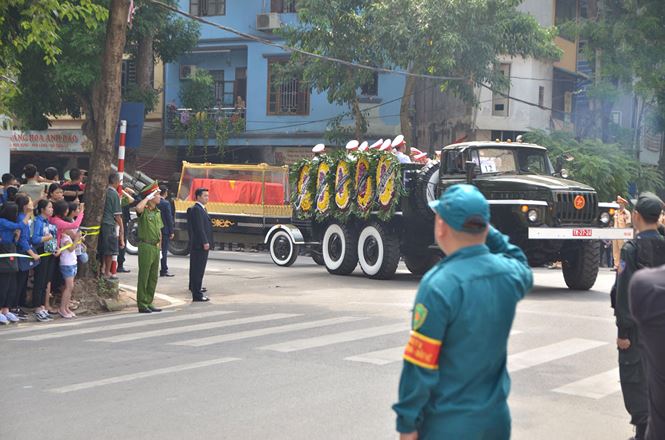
55, 192
44, 240
8, 226
24, 246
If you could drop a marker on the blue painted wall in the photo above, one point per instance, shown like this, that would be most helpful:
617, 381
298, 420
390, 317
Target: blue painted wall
262, 129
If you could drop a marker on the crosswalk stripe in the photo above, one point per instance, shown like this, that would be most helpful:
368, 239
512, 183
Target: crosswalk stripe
141, 375
134, 324
200, 342
195, 327
548, 353
81, 320
379, 357
594, 387
320, 341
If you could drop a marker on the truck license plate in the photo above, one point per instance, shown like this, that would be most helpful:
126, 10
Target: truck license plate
582, 232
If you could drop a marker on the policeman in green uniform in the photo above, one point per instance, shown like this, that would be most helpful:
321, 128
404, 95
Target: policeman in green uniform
150, 238
631, 370
454, 382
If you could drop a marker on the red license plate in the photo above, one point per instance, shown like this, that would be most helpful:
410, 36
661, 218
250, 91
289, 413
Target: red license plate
582, 232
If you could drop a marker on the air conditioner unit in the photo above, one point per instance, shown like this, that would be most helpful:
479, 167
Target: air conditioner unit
187, 71
267, 22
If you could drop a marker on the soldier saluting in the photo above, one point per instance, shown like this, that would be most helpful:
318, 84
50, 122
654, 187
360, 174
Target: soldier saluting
454, 382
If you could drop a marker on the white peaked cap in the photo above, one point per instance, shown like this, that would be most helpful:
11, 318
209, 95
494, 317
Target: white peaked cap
364, 146
376, 144
414, 150
399, 140
352, 145
387, 145
318, 148
420, 156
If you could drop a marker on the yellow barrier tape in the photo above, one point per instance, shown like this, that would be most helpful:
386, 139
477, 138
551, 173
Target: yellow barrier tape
46, 254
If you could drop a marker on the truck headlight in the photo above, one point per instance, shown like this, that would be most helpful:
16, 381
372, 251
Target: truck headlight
605, 218
532, 215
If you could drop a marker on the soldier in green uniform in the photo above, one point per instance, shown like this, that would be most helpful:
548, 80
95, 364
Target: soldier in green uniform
631, 370
150, 238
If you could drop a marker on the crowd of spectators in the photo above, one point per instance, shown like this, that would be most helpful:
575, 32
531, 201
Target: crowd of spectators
40, 219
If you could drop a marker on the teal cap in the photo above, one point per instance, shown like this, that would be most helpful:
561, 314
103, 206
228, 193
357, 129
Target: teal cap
464, 208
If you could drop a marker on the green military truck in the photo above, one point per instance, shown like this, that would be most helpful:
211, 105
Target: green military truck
367, 209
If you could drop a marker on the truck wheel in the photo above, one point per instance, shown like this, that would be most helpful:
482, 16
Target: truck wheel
580, 266
425, 191
179, 247
283, 250
339, 249
132, 242
419, 264
378, 251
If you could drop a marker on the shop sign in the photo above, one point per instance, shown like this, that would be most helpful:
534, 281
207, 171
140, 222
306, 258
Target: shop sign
56, 141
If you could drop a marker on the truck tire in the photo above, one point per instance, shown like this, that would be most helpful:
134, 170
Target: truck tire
580, 266
339, 249
132, 241
425, 190
283, 250
179, 247
378, 251
419, 264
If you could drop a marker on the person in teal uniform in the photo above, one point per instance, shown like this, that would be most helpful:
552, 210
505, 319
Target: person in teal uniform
454, 382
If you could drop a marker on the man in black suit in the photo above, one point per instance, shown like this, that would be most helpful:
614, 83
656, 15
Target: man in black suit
201, 241
167, 231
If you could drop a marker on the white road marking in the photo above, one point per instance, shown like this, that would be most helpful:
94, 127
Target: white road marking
389, 355
195, 327
566, 315
380, 357
134, 324
549, 353
200, 342
335, 338
140, 375
594, 387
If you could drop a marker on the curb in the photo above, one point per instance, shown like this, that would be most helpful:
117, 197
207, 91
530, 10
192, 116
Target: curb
172, 302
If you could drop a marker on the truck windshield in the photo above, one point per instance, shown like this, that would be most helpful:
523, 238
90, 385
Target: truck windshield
512, 160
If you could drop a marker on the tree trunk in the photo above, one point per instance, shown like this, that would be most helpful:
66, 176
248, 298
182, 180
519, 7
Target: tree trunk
103, 117
145, 62
359, 119
405, 109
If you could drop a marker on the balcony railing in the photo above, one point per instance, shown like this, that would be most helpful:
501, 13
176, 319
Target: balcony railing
181, 121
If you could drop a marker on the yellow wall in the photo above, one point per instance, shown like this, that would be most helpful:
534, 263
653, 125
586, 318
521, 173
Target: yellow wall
569, 58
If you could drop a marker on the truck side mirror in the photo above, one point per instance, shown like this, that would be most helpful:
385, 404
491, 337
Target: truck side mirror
470, 168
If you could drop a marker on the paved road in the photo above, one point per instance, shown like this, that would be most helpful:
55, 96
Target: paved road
292, 354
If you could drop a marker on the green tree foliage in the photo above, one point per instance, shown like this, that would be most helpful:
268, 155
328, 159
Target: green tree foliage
454, 38
605, 167
197, 93
66, 86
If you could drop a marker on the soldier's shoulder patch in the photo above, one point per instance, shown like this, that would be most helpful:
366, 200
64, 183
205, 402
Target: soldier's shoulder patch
622, 266
419, 316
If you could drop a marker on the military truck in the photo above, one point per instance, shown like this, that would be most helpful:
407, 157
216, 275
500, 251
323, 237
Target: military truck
377, 210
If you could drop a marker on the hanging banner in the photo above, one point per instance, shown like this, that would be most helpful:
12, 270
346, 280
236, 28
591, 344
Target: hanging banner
55, 141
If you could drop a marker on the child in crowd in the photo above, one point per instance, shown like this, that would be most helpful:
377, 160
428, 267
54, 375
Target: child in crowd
24, 246
8, 226
68, 270
44, 240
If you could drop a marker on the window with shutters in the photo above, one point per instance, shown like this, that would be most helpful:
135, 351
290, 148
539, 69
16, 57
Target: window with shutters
283, 6
372, 87
207, 8
287, 94
128, 74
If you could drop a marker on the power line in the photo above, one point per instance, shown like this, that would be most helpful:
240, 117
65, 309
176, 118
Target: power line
301, 51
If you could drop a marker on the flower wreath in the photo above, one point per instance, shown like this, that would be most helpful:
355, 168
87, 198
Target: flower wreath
324, 188
303, 185
388, 185
365, 171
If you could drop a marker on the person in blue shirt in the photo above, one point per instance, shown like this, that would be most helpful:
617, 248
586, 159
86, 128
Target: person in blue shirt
23, 246
8, 227
44, 240
7, 181
454, 382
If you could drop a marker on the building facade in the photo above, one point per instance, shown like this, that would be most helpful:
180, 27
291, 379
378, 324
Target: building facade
283, 118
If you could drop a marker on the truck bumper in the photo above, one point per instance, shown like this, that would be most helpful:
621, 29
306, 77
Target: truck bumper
580, 233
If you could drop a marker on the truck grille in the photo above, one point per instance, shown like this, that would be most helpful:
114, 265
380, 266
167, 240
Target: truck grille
566, 212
